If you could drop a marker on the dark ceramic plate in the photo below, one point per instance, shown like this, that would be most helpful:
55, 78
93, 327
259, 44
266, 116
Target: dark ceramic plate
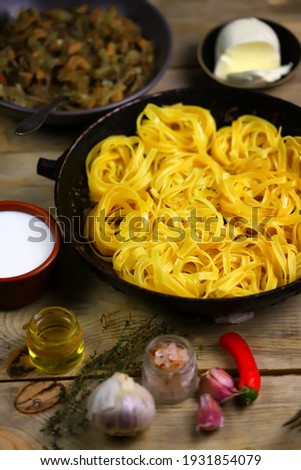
153, 26
71, 191
289, 46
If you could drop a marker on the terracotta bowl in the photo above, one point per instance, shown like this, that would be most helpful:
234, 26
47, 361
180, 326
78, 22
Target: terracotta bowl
25, 279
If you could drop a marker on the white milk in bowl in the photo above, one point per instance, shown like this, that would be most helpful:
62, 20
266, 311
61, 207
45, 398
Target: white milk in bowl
25, 243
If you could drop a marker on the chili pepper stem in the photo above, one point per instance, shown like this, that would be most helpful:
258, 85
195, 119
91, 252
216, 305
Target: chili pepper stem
247, 395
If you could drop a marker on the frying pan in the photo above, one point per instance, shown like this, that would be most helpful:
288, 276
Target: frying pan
71, 192
153, 26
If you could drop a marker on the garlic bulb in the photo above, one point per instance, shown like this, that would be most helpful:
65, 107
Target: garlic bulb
120, 407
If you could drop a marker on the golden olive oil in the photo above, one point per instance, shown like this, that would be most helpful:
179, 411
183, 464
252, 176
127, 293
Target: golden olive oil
54, 340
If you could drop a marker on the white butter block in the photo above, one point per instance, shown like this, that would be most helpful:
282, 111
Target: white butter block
246, 44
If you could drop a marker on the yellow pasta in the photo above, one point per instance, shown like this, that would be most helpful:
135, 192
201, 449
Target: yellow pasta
187, 209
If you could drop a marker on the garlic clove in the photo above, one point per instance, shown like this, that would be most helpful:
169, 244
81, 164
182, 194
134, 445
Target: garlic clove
218, 383
121, 407
209, 414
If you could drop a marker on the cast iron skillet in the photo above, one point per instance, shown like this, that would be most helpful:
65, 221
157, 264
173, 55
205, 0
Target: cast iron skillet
71, 195
153, 26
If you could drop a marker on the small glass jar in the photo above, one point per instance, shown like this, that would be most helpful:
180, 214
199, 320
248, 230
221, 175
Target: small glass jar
169, 369
54, 340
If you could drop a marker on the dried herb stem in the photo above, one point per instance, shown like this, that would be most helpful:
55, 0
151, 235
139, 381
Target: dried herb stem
125, 356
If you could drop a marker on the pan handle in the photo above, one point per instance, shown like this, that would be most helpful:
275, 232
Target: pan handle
50, 168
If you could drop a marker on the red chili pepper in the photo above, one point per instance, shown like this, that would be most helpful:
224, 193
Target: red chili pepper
249, 376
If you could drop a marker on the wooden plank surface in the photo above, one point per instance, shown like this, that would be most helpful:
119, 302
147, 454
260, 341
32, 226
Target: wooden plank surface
259, 426
78, 288
273, 334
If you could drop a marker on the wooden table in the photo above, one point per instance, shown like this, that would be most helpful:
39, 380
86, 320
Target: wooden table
273, 334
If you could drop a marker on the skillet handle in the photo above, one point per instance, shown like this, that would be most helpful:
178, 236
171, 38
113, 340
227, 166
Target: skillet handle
50, 168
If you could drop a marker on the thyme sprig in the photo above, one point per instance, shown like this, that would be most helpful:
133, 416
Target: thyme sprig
125, 356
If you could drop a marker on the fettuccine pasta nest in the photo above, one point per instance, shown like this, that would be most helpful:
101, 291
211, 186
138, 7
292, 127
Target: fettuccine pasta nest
186, 209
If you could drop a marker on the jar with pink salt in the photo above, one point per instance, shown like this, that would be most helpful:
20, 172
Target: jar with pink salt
169, 369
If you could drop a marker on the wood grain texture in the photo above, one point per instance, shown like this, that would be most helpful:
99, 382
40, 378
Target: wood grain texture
274, 334
259, 426
77, 287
